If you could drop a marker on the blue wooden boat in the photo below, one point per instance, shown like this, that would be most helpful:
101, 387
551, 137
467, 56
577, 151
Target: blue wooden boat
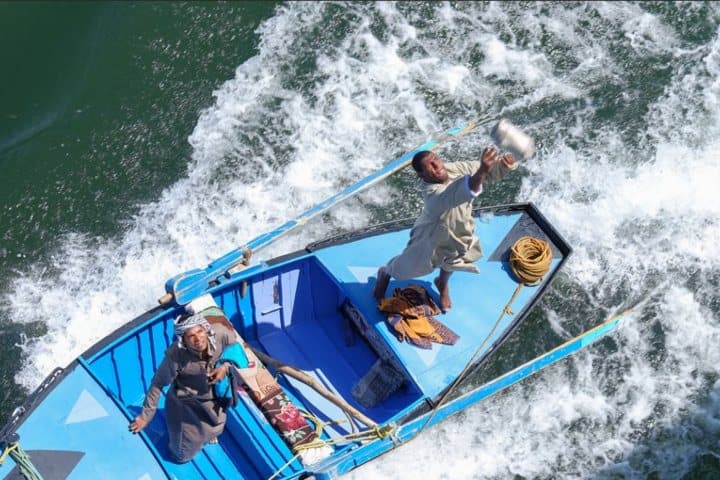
312, 309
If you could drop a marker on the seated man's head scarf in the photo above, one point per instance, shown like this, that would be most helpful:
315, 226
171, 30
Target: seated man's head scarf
183, 323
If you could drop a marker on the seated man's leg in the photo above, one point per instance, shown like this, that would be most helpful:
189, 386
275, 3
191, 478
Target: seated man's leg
187, 431
184, 443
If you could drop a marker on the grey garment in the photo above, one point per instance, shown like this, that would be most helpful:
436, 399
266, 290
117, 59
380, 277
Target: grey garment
444, 234
192, 413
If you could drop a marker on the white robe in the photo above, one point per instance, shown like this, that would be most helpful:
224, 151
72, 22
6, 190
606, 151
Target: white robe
444, 234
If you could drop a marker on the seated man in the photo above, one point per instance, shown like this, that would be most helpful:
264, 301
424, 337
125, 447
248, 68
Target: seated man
194, 415
444, 234
267, 394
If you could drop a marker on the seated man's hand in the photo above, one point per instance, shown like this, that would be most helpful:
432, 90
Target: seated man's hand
137, 425
218, 374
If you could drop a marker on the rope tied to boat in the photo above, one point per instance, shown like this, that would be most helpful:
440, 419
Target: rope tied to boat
22, 460
8, 449
530, 259
374, 432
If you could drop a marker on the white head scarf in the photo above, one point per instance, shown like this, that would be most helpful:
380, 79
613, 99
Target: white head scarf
183, 325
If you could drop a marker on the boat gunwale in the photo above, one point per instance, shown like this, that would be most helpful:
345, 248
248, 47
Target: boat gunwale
150, 317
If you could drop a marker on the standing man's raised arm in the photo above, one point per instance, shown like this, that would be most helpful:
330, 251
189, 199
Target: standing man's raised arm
489, 160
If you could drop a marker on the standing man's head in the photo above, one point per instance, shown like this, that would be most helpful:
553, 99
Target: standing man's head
429, 167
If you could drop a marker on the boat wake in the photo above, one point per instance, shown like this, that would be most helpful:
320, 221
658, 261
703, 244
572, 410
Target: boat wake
625, 105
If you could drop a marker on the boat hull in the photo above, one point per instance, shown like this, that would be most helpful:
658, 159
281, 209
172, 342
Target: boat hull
290, 308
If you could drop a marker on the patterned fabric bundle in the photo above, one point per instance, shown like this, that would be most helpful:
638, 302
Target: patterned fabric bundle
410, 312
284, 415
269, 396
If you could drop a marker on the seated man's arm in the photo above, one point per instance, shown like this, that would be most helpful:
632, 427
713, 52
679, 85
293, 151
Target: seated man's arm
164, 375
225, 335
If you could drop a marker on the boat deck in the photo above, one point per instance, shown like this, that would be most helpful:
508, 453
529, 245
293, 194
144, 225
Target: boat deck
478, 299
291, 310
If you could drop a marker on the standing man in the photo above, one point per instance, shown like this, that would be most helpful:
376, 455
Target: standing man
444, 234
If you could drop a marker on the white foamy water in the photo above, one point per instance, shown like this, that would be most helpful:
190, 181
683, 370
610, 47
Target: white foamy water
644, 219
336, 91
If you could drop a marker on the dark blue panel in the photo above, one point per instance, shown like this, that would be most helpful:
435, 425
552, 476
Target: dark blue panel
326, 293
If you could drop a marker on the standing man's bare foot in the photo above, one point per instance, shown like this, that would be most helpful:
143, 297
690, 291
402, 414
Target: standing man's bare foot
381, 284
442, 286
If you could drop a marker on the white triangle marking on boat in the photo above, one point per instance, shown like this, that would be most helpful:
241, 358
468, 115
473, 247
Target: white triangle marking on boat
145, 476
363, 274
86, 408
428, 356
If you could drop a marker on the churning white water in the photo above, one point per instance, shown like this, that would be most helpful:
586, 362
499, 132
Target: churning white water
625, 106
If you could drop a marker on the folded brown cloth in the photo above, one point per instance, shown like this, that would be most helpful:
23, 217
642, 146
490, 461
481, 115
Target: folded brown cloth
410, 312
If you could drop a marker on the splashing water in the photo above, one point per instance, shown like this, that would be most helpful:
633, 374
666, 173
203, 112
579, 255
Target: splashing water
624, 101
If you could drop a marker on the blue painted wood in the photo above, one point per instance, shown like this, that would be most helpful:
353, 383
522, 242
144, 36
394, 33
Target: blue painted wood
193, 283
291, 309
78, 416
478, 299
339, 465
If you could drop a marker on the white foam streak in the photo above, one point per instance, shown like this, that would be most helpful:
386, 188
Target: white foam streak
646, 32
690, 111
316, 110
673, 200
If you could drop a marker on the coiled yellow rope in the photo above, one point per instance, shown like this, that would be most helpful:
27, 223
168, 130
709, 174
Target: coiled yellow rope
530, 259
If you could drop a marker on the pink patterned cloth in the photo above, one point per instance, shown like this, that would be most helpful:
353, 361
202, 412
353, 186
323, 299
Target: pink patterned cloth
286, 418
